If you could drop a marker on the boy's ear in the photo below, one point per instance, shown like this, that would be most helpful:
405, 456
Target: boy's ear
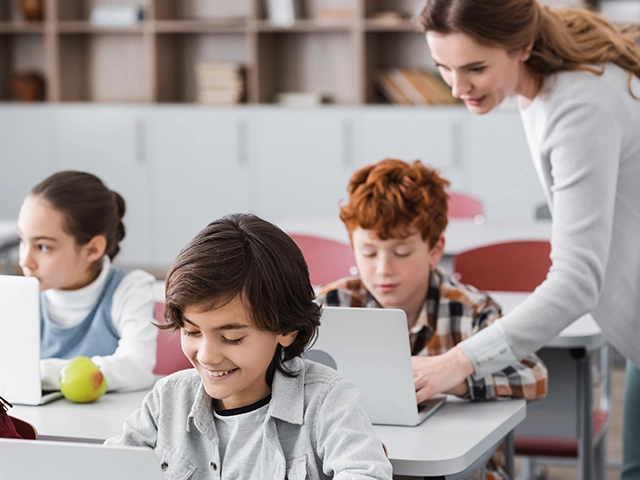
95, 248
287, 339
436, 252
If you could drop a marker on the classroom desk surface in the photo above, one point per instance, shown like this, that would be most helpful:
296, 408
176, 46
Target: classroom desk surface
461, 234
453, 439
448, 442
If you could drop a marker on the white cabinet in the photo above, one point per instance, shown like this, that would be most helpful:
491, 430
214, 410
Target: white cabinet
500, 169
301, 161
200, 173
110, 142
24, 154
436, 136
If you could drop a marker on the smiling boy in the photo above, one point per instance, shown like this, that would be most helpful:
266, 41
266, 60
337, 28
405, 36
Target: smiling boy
396, 215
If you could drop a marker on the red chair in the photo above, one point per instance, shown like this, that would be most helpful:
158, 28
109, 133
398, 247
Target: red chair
462, 205
328, 260
169, 357
504, 267
521, 267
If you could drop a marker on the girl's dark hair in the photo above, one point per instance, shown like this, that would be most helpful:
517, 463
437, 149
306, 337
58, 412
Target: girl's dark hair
88, 206
243, 255
563, 38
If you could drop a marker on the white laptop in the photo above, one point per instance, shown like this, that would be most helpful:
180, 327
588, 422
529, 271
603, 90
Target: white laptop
28, 459
371, 347
20, 342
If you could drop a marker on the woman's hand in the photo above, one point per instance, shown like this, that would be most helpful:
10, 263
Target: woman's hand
440, 374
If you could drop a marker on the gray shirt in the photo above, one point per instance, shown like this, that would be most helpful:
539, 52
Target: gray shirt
315, 428
582, 131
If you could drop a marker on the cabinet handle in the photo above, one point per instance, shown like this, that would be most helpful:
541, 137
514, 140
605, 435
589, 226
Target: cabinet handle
456, 144
141, 144
243, 142
347, 143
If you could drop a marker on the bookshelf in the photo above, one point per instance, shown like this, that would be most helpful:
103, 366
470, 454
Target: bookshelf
336, 49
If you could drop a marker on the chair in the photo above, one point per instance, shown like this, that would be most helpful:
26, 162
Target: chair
521, 267
504, 267
462, 205
169, 357
24, 429
327, 259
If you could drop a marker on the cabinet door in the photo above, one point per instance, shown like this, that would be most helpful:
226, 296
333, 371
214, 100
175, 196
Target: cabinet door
436, 136
501, 169
24, 154
200, 173
109, 142
301, 161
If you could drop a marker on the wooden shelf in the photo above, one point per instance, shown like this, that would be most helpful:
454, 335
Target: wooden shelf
311, 26
372, 25
88, 27
22, 27
337, 50
199, 26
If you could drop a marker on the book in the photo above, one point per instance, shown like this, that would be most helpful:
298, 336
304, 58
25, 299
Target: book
116, 15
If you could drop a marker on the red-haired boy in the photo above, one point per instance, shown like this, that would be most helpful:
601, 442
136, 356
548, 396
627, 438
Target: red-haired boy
396, 215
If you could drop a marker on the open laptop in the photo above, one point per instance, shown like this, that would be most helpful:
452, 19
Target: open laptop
20, 342
371, 347
30, 459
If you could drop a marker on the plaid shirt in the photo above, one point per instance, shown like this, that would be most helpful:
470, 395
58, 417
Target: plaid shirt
451, 313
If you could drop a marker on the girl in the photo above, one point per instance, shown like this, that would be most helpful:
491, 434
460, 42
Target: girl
576, 77
70, 226
241, 297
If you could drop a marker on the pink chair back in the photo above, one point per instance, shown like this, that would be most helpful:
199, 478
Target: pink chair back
169, 358
462, 205
328, 260
506, 267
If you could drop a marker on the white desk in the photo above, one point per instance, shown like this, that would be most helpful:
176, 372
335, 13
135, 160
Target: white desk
567, 410
458, 437
88, 422
460, 235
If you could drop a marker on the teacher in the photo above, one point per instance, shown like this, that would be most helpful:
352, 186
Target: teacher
576, 77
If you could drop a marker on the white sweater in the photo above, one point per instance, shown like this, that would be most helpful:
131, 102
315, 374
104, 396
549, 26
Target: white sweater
131, 365
583, 132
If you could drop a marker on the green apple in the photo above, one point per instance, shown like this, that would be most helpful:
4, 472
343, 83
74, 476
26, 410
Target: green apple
81, 380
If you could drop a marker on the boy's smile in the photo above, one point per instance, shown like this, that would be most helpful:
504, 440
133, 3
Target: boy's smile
231, 355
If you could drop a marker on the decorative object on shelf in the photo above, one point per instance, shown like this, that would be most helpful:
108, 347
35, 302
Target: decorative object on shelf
390, 17
284, 12
116, 15
413, 87
27, 86
299, 99
32, 10
219, 83
332, 14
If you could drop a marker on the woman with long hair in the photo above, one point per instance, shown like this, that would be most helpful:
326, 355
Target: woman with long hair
577, 81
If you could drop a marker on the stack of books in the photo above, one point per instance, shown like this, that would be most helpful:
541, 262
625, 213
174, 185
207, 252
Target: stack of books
219, 83
413, 87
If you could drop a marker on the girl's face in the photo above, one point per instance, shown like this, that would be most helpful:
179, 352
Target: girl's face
230, 354
50, 254
483, 77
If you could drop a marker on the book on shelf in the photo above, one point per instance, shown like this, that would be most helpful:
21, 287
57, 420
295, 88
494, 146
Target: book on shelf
219, 83
413, 87
116, 15
284, 12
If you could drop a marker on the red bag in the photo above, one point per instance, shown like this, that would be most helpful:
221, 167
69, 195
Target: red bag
7, 428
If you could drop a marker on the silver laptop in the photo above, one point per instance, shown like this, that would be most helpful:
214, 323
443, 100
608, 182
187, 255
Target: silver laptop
28, 459
371, 347
20, 342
